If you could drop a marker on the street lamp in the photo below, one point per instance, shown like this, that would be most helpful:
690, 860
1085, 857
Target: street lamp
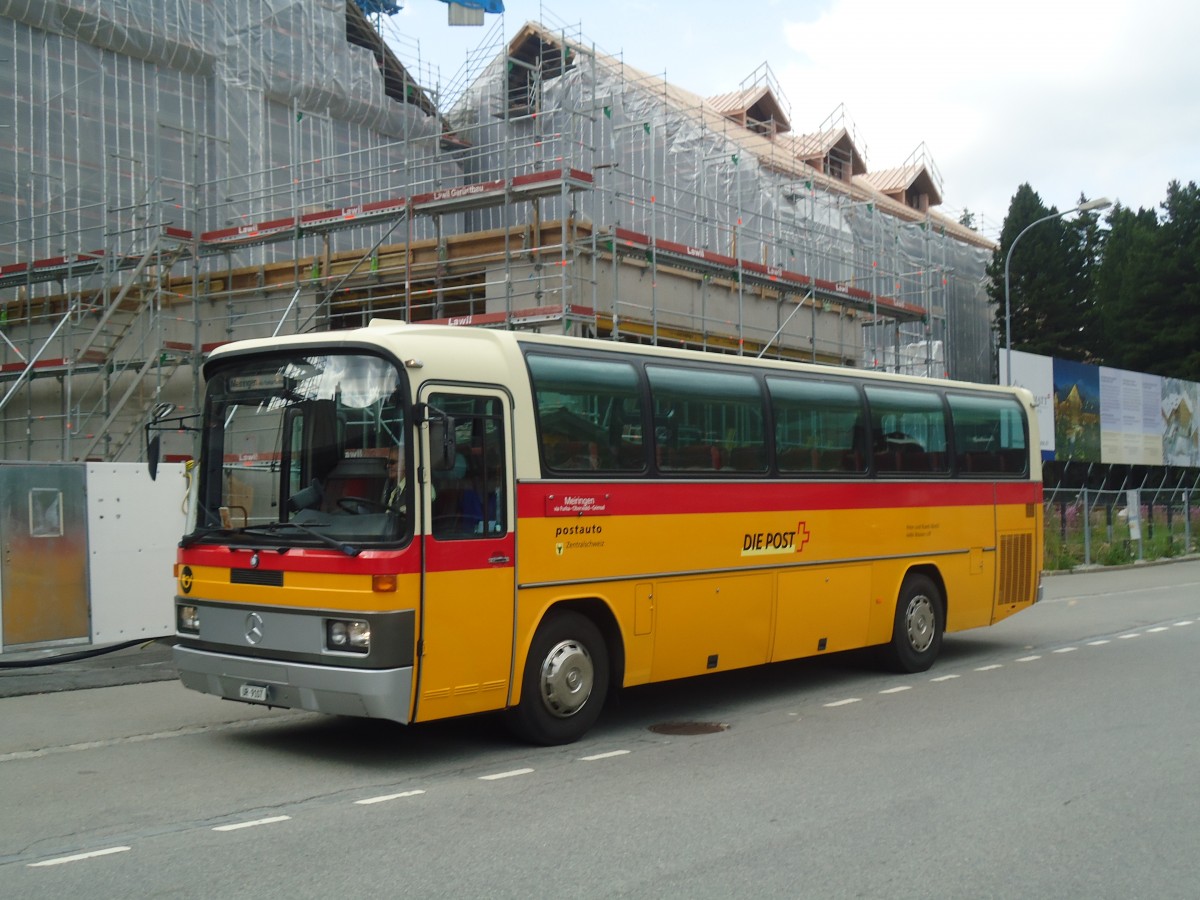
1090, 206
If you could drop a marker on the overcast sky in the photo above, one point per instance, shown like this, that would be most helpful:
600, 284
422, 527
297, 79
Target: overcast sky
1100, 98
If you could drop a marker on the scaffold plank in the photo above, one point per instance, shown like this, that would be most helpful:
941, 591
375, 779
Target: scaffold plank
710, 262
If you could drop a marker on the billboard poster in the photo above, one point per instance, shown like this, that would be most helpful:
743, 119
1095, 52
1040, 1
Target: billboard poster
1113, 416
1130, 424
1036, 374
1076, 411
1181, 435
1152, 420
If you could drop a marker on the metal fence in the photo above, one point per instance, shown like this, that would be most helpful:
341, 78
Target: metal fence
1112, 527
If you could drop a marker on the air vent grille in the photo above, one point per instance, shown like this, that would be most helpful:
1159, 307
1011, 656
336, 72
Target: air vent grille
256, 576
1017, 578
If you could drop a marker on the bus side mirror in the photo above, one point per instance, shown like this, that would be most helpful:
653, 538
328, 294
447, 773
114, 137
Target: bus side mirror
153, 446
442, 450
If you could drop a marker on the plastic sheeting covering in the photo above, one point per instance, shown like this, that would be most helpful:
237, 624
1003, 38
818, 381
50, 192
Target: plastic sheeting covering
661, 170
135, 114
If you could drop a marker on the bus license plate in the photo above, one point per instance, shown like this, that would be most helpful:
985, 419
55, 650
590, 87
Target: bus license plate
255, 692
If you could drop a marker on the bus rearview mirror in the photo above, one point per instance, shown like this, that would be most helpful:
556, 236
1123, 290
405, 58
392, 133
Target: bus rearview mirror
153, 447
442, 449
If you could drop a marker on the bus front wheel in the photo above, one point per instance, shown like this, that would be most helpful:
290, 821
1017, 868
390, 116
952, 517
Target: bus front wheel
917, 631
565, 681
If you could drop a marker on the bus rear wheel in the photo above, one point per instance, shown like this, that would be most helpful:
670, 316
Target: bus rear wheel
565, 681
917, 630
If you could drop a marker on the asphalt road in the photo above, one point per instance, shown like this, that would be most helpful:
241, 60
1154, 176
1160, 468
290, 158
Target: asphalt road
1052, 756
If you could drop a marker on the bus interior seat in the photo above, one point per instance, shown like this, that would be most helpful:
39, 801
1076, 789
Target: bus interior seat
747, 459
452, 488
573, 455
696, 457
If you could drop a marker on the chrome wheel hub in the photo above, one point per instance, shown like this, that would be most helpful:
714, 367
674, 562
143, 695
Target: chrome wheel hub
920, 622
566, 678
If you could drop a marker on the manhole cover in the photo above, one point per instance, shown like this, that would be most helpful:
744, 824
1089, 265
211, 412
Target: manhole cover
682, 728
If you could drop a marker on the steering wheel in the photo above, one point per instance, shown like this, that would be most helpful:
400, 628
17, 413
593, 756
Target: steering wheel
352, 505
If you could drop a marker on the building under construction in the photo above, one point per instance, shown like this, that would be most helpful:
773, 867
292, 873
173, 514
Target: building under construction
177, 175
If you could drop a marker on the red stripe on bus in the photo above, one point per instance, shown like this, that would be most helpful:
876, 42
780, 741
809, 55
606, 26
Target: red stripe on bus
1019, 492
658, 498
458, 555
306, 559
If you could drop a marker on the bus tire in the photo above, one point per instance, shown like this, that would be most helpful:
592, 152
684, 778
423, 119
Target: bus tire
917, 630
565, 681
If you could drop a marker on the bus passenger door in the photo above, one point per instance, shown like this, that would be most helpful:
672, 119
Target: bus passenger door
467, 606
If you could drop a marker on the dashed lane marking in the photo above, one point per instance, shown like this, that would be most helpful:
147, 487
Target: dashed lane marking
386, 797
510, 774
238, 826
77, 857
609, 755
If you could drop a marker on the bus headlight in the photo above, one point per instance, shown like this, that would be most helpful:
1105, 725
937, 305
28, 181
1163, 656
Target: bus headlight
348, 635
187, 619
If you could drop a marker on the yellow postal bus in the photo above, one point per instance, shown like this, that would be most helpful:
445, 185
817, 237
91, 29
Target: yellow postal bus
414, 522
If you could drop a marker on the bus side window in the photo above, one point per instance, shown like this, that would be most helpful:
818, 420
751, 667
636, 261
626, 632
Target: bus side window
471, 499
989, 435
589, 414
908, 427
818, 426
702, 416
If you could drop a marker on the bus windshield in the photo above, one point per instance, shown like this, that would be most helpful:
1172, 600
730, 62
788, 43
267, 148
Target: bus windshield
305, 448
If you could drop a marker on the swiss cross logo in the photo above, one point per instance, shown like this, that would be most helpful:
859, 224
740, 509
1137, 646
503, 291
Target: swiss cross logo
802, 536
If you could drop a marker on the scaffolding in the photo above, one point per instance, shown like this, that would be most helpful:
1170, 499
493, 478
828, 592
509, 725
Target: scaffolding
200, 174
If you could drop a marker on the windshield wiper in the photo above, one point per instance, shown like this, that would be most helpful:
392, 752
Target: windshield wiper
200, 533
272, 527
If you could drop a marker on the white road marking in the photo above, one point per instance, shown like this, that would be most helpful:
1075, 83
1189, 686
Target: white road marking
386, 797
89, 745
500, 775
76, 857
609, 755
239, 825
